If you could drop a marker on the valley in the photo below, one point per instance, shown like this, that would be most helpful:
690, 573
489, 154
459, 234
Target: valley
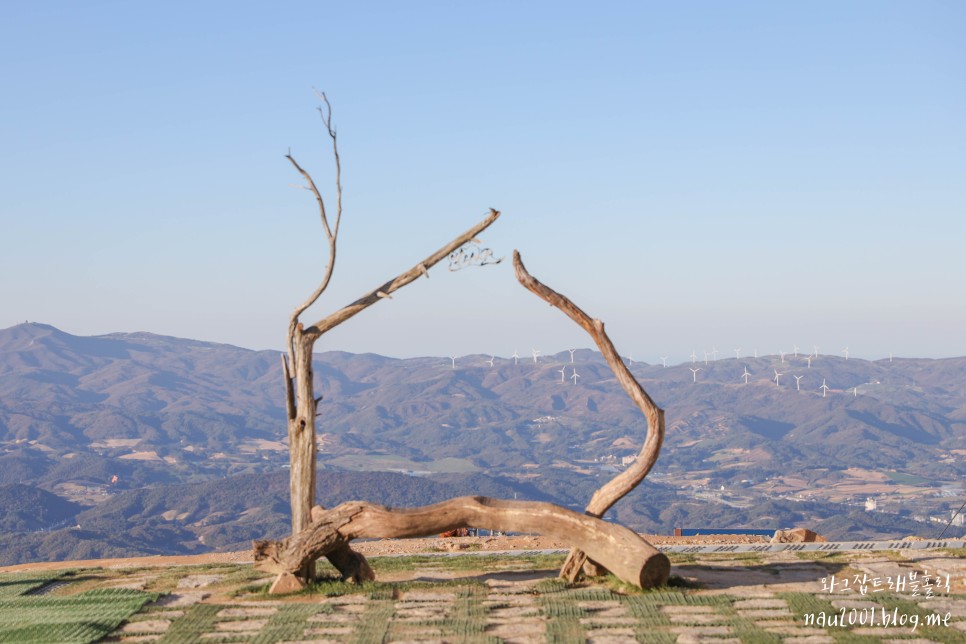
140, 433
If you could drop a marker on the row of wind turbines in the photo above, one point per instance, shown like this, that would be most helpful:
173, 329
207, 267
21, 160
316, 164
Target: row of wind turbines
798, 380
777, 378
795, 349
713, 354
536, 354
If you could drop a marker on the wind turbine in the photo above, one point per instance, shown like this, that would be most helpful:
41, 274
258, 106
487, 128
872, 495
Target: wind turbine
756, 353
795, 349
562, 370
575, 376
706, 354
855, 392
738, 353
453, 358
782, 356
490, 361
809, 359
746, 375
571, 355
798, 382
777, 376
693, 356
824, 388
664, 361
694, 373
515, 356
535, 353
846, 352
714, 353
630, 360
815, 349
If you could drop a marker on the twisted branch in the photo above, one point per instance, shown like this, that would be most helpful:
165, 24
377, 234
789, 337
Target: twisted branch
615, 489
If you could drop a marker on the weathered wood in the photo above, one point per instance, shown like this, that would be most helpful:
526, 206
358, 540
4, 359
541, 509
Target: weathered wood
622, 551
388, 288
615, 489
352, 565
301, 427
300, 400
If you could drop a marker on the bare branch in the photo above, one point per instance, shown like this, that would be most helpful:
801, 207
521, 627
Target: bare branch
327, 118
364, 302
331, 234
310, 185
620, 485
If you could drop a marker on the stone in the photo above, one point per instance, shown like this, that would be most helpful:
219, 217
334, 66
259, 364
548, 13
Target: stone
797, 535
286, 583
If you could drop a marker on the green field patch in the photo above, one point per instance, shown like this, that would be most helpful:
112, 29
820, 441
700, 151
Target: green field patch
907, 479
86, 617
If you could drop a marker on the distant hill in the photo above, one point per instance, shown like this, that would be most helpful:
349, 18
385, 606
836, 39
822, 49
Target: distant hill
30, 509
169, 416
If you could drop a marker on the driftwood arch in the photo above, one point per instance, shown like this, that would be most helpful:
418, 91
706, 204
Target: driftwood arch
317, 532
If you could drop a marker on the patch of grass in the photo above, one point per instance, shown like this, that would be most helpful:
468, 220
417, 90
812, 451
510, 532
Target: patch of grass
551, 585
335, 587
674, 597
564, 613
482, 563
824, 557
801, 603
81, 618
466, 621
251, 589
750, 633
623, 588
373, 625
746, 557
908, 607
955, 552
15, 584
288, 624
189, 628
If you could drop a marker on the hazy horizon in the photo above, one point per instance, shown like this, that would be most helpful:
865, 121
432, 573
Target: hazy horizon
525, 355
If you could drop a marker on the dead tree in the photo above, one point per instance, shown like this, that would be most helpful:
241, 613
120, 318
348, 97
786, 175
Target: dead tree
610, 493
300, 400
622, 551
614, 547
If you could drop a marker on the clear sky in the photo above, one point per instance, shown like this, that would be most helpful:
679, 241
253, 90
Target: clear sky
696, 174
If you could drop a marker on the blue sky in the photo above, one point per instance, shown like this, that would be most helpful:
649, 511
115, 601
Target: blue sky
698, 175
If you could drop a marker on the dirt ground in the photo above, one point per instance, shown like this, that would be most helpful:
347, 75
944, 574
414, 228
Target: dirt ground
379, 548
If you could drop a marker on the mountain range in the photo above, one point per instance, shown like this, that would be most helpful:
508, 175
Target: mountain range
170, 418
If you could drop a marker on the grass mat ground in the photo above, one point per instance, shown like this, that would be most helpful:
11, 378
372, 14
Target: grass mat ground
16, 584
82, 618
469, 599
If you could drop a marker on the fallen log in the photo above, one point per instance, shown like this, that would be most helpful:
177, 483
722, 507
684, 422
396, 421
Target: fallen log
620, 550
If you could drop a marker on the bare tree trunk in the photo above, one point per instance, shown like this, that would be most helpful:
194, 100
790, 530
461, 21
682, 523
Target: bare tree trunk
623, 551
614, 490
301, 403
301, 437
